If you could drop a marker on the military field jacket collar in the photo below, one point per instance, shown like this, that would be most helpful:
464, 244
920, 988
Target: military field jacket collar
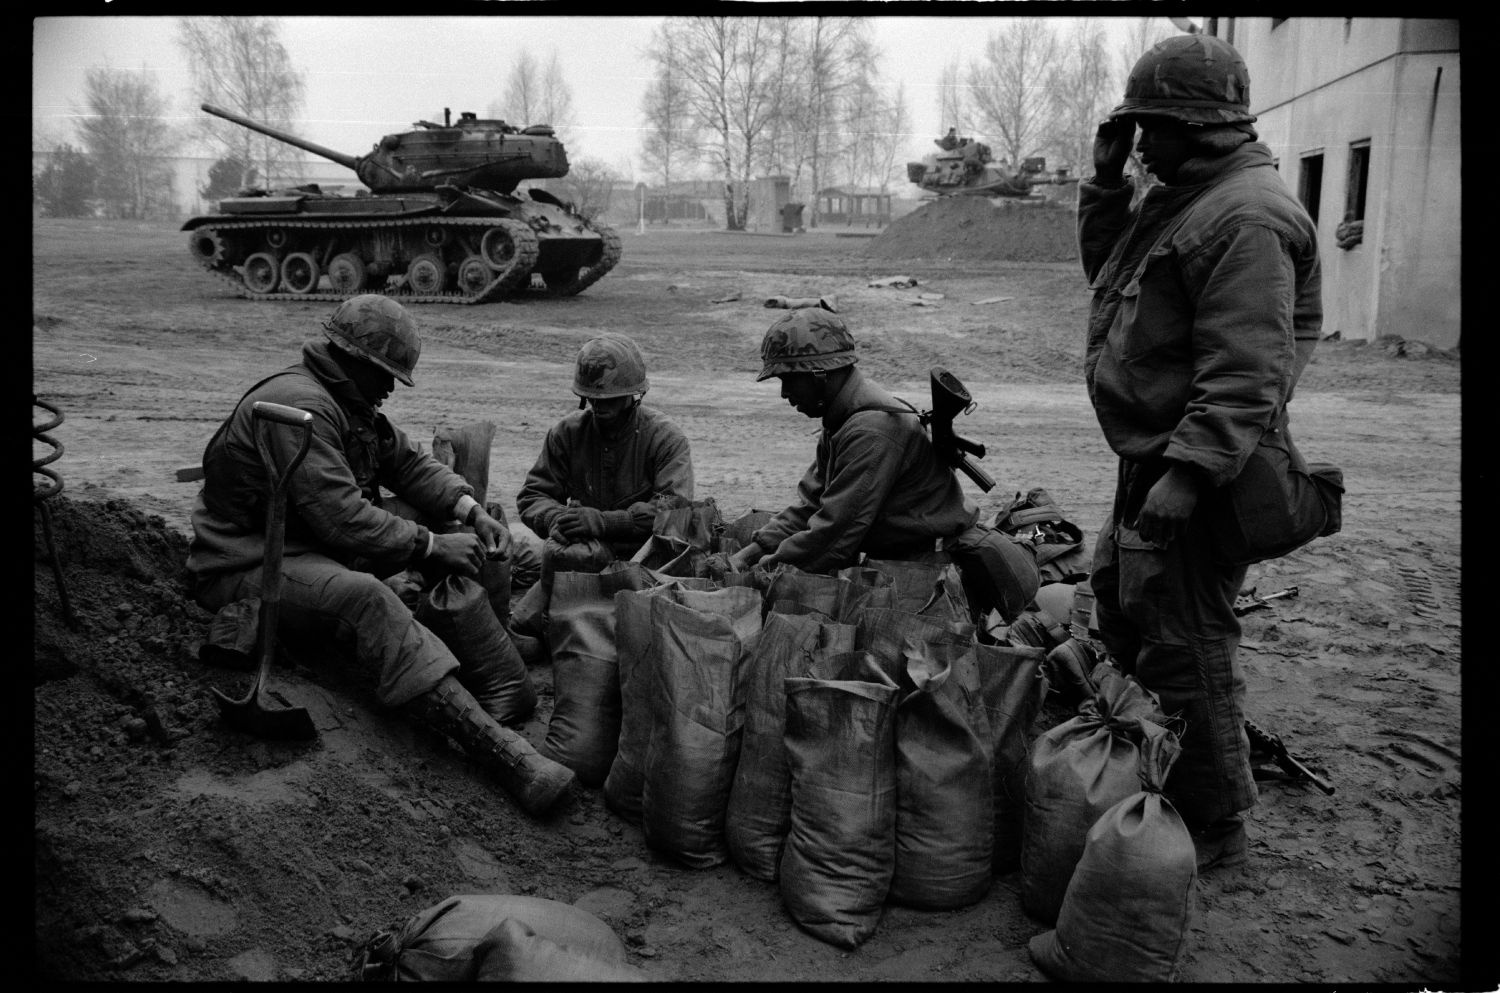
318, 360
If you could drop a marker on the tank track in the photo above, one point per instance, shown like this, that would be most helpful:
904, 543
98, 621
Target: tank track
508, 282
608, 259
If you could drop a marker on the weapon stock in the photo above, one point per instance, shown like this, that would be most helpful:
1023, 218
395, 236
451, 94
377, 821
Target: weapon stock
1266, 741
949, 399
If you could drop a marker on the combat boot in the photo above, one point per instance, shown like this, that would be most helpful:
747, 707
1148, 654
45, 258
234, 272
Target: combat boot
534, 781
499, 681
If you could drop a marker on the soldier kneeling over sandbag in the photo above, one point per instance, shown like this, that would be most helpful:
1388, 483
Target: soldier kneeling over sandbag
877, 485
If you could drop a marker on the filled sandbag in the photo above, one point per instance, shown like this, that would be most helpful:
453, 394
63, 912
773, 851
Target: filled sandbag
514, 953
1076, 771
839, 856
457, 609
758, 816
584, 729
699, 649
623, 784
440, 943
931, 588
1125, 915
1011, 693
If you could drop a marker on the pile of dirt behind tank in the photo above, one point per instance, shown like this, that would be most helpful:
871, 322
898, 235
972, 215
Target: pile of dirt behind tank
972, 227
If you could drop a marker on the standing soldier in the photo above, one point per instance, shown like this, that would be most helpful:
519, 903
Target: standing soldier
1206, 310
876, 485
340, 541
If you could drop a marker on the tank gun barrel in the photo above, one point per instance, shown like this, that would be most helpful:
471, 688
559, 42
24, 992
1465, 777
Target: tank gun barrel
347, 161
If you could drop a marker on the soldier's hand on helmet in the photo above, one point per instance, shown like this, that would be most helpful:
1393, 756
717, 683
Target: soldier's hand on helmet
460, 553
1169, 504
579, 523
494, 535
1113, 142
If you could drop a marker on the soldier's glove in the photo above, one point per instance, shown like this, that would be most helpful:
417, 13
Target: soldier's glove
1113, 142
579, 524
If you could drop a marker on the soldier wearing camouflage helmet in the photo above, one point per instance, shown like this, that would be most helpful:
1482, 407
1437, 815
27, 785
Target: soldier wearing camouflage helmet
342, 540
876, 486
602, 466
1206, 309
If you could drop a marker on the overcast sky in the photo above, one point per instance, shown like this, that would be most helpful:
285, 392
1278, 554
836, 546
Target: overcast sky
369, 76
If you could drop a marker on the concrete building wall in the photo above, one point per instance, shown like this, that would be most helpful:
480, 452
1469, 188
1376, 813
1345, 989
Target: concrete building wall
1318, 85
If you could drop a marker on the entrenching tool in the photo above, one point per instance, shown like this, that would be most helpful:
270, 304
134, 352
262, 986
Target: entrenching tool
252, 714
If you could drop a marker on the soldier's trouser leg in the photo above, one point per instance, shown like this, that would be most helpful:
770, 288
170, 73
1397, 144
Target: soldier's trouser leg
1169, 612
321, 597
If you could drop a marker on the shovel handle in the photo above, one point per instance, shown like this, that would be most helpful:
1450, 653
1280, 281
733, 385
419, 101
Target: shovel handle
281, 413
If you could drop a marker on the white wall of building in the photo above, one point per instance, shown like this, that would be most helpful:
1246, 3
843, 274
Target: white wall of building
1320, 84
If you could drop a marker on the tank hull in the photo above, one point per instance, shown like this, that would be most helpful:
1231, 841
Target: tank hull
448, 245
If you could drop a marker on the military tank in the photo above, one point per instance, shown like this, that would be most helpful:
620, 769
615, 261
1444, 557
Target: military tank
968, 169
440, 222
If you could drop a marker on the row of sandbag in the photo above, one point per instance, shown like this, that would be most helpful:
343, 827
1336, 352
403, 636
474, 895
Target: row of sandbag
846, 735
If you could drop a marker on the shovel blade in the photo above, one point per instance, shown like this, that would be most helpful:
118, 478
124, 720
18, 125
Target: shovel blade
277, 723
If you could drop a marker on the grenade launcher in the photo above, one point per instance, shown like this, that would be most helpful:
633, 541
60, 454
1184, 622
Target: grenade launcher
949, 398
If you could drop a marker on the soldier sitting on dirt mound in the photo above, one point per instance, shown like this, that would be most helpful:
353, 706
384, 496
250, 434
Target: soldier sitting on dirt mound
602, 466
876, 485
339, 540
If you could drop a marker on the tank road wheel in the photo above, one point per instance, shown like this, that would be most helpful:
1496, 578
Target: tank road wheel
510, 248
208, 247
299, 273
427, 275
435, 237
474, 274
347, 273
262, 273
276, 238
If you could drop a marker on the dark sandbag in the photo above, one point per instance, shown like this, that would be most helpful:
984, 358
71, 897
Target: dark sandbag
944, 791
622, 787
514, 953
699, 650
457, 610
839, 857
439, 944
1078, 770
931, 588
1011, 692
584, 729
840, 596
1125, 915
668, 556
758, 816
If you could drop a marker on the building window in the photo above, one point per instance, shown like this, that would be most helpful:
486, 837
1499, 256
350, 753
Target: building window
1351, 230
1359, 180
1310, 185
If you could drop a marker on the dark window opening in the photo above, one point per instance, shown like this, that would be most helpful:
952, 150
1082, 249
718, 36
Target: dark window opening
1310, 185
1359, 180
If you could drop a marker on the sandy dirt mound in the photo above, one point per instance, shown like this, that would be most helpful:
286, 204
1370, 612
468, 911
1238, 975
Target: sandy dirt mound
967, 227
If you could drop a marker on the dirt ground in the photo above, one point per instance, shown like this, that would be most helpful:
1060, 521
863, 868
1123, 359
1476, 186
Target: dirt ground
168, 847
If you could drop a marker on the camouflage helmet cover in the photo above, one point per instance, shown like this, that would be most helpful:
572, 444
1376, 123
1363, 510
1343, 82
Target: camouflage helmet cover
380, 331
809, 339
1194, 78
610, 365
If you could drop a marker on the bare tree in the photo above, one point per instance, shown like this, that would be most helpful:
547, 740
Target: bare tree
1009, 85
589, 186
129, 140
840, 70
1084, 88
669, 140
952, 101
521, 103
557, 98
875, 120
239, 63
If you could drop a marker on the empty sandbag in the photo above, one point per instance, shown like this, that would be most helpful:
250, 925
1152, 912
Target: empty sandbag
699, 658
457, 609
839, 856
439, 944
931, 588
584, 729
840, 596
1078, 770
758, 815
1125, 915
622, 786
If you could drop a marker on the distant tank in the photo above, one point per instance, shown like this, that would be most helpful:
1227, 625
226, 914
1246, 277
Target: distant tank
967, 169
439, 223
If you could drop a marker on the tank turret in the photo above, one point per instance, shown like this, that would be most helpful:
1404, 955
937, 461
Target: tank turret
484, 153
